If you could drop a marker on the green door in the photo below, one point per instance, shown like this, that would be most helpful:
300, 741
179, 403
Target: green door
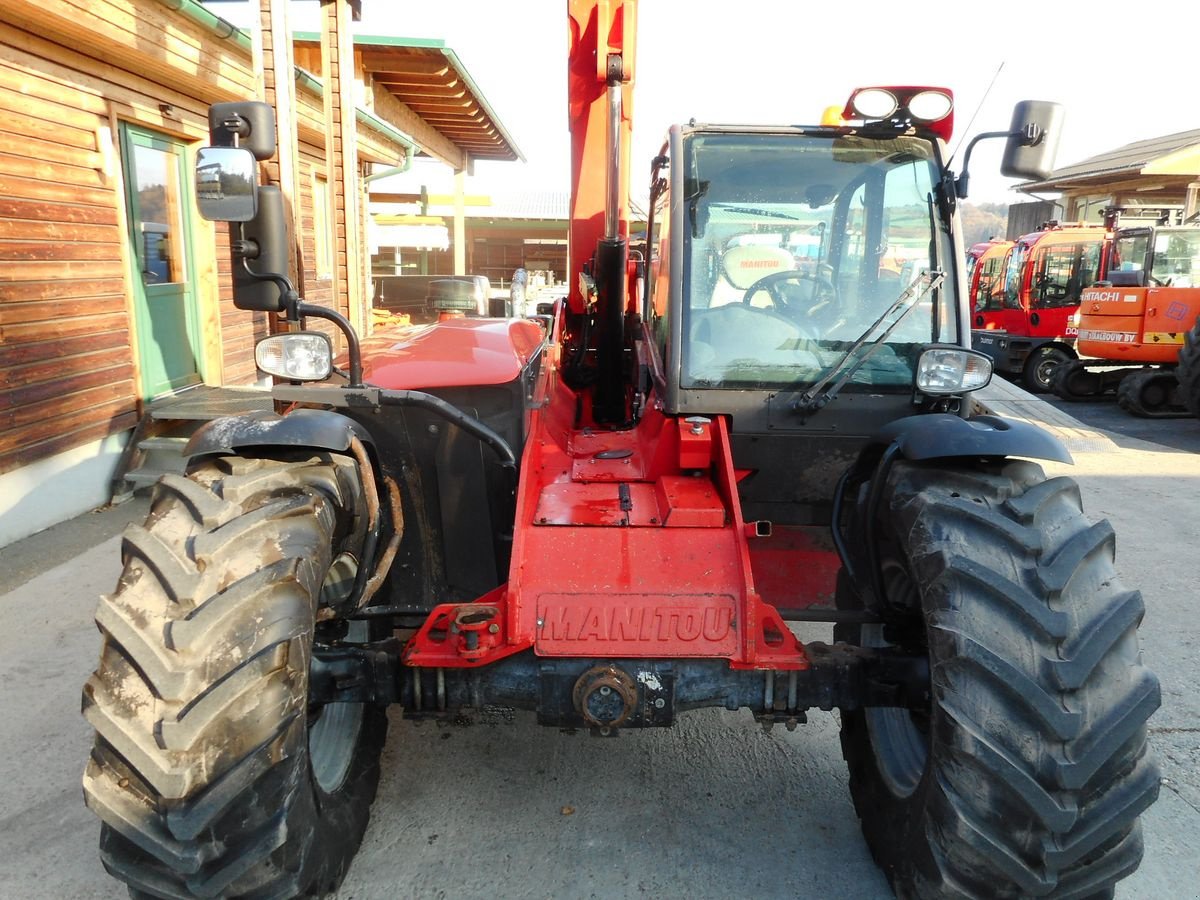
157, 190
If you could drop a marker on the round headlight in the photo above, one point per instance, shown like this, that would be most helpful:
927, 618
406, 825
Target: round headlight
930, 106
874, 103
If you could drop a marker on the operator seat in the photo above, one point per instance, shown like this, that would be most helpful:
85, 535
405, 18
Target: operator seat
745, 264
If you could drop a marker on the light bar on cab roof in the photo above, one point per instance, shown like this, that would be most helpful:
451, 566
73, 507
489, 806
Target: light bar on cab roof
930, 108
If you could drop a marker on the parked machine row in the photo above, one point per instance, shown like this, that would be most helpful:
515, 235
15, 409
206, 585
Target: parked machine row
1133, 327
1025, 293
1094, 311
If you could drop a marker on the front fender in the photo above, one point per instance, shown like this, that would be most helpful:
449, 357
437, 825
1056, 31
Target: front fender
941, 435
914, 438
320, 429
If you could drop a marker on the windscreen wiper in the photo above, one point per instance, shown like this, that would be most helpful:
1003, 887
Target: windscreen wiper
817, 397
756, 211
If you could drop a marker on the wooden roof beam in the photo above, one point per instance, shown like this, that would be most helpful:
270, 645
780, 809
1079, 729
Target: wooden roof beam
428, 138
419, 89
386, 61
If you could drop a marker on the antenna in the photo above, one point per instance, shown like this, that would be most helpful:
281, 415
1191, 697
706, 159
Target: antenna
971, 122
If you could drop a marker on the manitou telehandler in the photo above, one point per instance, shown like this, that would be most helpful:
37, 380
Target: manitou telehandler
748, 423
1132, 325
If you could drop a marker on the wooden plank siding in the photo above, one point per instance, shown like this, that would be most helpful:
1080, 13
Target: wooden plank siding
66, 370
71, 72
68, 373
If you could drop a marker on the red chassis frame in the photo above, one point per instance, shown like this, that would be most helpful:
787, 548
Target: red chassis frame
631, 544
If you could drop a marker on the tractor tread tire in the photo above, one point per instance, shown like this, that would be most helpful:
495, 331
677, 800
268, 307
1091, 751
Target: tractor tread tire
1188, 370
1159, 386
199, 771
1037, 766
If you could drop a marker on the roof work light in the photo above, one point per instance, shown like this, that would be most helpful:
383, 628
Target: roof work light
931, 108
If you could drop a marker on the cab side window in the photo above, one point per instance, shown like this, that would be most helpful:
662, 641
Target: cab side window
660, 273
989, 291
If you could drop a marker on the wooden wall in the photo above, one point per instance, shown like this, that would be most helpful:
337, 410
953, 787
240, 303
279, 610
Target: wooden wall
71, 71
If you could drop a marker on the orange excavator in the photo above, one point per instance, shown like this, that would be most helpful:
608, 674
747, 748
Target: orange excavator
758, 418
1132, 325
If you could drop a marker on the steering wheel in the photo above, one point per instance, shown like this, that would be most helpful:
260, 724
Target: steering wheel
769, 283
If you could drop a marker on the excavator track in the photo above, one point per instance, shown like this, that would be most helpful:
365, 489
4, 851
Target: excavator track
1151, 394
1073, 381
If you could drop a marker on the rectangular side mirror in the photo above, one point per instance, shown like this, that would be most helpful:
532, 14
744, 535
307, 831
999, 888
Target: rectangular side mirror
1032, 148
226, 184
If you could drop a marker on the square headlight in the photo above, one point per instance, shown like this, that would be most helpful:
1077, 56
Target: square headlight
952, 370
296, 356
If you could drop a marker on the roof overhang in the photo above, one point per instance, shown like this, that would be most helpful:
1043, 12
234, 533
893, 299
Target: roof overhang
431, 84
1173, 156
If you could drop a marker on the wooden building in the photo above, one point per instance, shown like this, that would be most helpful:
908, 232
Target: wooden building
1161, 172
502, 232
113, 292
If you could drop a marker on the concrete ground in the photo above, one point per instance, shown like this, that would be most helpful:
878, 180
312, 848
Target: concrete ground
712, 808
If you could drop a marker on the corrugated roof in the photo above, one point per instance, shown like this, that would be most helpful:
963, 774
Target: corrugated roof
549, 205
526, 205
1131, 158
429, 78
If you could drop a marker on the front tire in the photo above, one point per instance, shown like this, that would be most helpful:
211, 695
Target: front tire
1038, 373
1188, 370
210, 772
1027, 772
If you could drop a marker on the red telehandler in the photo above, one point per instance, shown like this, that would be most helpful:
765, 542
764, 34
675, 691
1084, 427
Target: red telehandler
750, 422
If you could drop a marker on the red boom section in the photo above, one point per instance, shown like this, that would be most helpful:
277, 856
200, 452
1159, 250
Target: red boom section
628, 541
597, 29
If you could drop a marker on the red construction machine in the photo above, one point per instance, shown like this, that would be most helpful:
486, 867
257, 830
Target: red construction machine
976, 251
987, 264
757, 419
1132, 325
1023, 320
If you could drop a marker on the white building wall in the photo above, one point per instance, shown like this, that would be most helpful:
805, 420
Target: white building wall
53, 490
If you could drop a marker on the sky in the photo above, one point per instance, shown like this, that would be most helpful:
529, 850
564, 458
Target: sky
785, 61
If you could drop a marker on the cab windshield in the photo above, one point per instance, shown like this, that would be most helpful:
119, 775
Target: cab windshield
1177, 258
795, 244
1175, 261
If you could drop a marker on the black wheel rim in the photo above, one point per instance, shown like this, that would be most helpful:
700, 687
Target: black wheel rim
899, 737
333, 728
1045, 369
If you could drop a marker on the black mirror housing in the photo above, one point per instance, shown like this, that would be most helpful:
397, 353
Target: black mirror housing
1033, 140
249, 124
260, 254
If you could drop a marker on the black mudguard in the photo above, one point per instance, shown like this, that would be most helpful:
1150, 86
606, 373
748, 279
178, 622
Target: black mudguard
319, 429
932, 436
940, 435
